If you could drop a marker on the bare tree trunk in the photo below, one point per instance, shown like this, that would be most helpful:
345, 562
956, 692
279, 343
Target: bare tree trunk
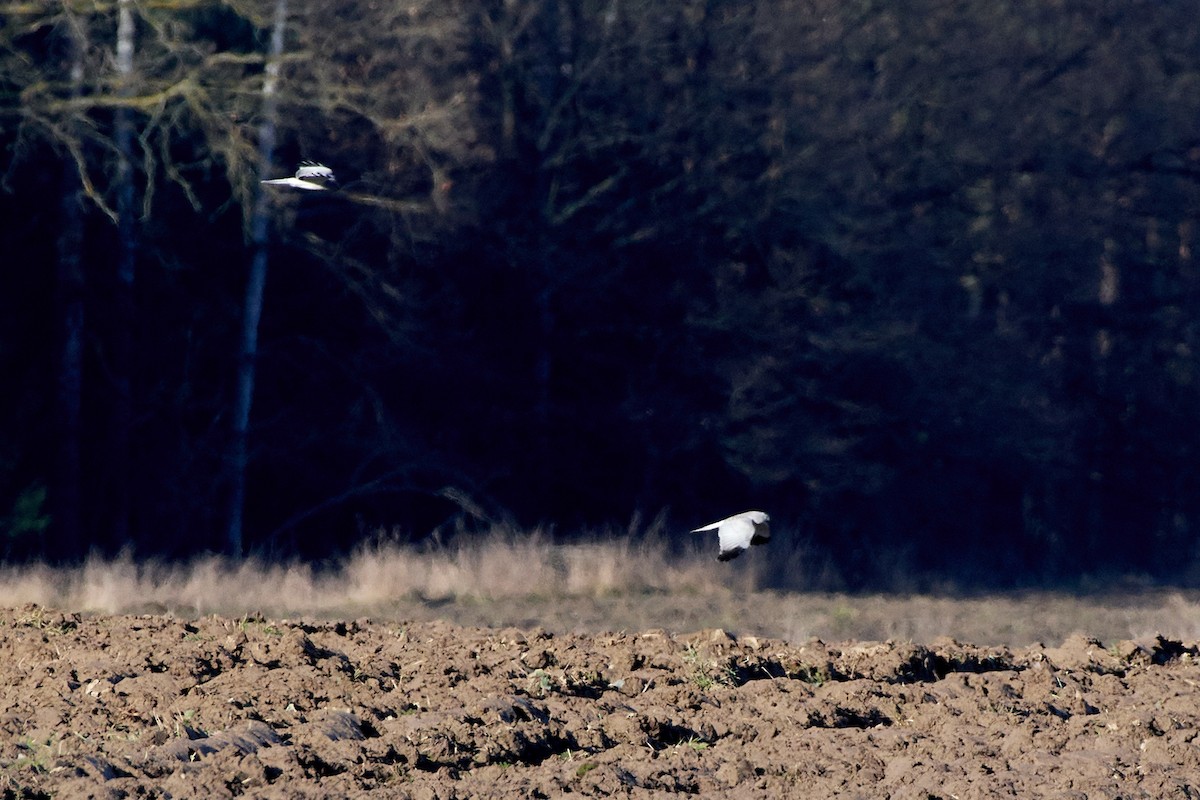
123, 355
549, 81
67, 491
255, 286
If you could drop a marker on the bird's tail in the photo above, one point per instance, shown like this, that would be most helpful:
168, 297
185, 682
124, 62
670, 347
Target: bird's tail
712, 527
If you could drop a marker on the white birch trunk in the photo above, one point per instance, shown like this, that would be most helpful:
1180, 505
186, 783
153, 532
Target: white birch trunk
255, 286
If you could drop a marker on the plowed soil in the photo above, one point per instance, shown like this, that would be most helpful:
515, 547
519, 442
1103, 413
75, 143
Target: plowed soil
156, 707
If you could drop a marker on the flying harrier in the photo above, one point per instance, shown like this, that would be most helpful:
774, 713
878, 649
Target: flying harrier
737, 533
309, 175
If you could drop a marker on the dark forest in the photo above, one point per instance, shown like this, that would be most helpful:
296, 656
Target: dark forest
921, 280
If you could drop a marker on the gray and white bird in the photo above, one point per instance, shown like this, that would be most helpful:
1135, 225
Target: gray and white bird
737, 533
309, 175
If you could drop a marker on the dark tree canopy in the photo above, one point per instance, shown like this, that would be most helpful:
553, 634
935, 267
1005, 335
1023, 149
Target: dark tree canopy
922, 282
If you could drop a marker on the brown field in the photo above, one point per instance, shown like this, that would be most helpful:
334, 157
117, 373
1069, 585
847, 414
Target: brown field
519, 669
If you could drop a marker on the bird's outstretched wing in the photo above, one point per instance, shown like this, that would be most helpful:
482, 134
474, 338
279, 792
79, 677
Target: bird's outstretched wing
314, 171
734, 536
309, 176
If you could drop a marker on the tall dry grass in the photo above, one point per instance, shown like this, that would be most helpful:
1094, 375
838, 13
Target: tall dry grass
628, 580
494, 567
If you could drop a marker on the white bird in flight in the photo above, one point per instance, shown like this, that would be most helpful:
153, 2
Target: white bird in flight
737, 533
309, 175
